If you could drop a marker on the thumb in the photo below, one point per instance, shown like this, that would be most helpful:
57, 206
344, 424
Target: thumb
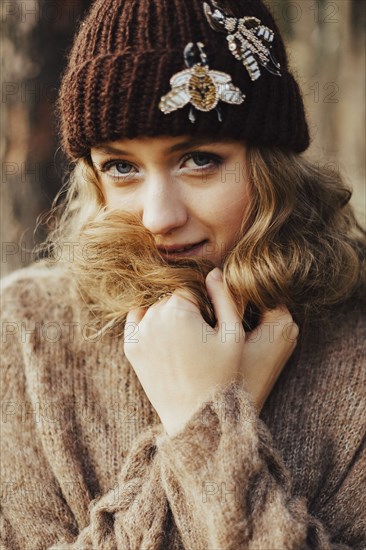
222, 301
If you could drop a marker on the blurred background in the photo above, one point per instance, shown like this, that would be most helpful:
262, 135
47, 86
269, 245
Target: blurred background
326, 46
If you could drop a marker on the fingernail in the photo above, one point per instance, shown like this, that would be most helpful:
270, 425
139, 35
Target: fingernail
216, 274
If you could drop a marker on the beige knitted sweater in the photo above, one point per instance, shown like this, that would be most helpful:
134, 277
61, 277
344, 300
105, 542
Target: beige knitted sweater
86, 463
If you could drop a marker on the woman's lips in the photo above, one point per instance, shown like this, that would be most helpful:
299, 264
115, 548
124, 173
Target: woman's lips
195, 250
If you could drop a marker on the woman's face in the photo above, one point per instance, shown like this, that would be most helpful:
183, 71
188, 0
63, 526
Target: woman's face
185, 191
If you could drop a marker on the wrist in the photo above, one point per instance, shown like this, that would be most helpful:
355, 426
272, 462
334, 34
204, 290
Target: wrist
173, 425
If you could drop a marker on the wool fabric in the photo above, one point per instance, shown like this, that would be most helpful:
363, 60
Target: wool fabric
86, 464
124, 55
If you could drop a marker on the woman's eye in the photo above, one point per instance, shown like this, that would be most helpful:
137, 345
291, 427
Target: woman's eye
117, 169
202, 160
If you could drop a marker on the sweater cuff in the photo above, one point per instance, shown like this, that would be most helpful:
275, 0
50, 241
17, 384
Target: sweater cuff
228, 411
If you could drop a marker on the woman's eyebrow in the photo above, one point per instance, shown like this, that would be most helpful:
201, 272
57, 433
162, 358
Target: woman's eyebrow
193, 142
181, 146
109, 150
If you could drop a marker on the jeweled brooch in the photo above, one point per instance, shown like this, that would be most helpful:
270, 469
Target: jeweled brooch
200, 86
249, 41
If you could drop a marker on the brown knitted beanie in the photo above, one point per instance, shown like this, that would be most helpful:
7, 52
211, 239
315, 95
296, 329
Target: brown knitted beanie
123, 58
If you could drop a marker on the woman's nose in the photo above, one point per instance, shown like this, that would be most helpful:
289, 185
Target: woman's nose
163, 208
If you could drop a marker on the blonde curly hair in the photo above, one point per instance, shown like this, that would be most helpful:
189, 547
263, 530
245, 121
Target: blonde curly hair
300, 245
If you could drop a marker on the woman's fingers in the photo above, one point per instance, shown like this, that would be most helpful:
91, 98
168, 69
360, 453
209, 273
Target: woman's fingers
269, 347
181, 299
280, 322
222, 301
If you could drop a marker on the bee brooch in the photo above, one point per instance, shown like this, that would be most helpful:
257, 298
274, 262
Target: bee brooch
249, 41
200, 86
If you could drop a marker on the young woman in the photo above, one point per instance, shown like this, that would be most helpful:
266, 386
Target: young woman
185, 371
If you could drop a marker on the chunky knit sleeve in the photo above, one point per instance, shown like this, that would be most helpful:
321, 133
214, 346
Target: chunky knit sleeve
131, 515
229, 489
35, 514
45, 478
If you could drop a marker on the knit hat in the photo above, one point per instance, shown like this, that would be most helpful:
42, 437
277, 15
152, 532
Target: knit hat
122, 61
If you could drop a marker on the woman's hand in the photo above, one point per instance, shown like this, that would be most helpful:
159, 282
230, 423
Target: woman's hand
179, 358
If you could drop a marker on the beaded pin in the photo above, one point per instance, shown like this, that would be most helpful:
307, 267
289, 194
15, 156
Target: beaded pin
249, 41
200, 86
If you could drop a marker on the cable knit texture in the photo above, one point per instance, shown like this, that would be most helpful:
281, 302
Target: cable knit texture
126, 52
86, 463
